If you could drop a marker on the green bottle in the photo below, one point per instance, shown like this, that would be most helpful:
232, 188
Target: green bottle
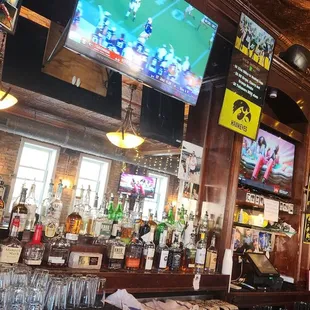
111, 210
161, 227
117, 218
171, 220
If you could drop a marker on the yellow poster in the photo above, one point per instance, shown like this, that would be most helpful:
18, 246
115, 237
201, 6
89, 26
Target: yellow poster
240, 115
306, 236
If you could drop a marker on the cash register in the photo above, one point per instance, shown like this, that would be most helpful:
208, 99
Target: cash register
262, 275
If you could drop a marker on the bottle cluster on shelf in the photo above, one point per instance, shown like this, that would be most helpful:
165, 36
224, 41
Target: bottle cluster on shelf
126, 239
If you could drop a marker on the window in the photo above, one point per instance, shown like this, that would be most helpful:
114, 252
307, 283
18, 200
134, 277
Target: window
158, 202
36, 163
93, 172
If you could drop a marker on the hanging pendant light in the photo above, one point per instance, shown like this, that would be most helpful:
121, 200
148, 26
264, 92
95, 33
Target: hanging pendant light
126, 137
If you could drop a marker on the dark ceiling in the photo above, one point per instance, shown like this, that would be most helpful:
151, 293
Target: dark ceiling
292, 17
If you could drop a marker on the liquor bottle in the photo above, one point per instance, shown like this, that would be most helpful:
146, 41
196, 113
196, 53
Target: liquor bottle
134, 251
11, 247
32, 208
34, 250
2, 204
189, 229
180, 226
211, 258
127, 225
171, 226
54, 211
111, 210
21, 210
87, 216
201, 254
161, 227
103, 225
151, 222
134, 214
203, 228
58, 250
74, 222
190, 254
161, 253
116, 253
145, 231
175, 255
47, 201
118, 216
148, 252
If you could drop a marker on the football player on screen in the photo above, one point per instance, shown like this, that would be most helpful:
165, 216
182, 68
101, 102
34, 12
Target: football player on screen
148, 30
133, 8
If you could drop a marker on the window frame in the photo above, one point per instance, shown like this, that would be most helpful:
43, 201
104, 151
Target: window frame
102, 160
36, 144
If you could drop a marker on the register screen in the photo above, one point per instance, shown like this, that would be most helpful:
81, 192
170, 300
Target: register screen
262, 264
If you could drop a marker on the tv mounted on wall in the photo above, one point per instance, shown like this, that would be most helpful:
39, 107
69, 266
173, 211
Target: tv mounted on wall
137, 185
164, 44
267, 164
9, 12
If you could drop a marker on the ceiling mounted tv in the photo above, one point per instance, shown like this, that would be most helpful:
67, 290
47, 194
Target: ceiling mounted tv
267, 164
9, 12
137, 185
165, 44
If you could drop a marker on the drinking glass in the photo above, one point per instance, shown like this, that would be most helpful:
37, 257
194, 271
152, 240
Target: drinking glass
17, 297
3, 298
5, 277
100, 294
73, 295
21, 277
35, 298
56, 297
85, 292
40, 278
94, 280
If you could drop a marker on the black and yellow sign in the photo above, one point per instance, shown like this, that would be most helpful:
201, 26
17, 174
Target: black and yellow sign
240, 114
247, 79
306, 235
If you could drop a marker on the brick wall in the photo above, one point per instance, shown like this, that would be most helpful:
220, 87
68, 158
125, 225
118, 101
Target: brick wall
66, 168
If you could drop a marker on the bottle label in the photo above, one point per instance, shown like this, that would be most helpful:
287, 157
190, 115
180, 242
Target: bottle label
117, 252
207, 265
31, 211
163, 259
23, 219
103, 229
175, 261
10, 254
191, 256
149, 259
132, 262
50, 230
56, 260
1, 213
115, 264
200, 256
146, 237
163, 237
116, 227
213, 260
72, 237
33, 262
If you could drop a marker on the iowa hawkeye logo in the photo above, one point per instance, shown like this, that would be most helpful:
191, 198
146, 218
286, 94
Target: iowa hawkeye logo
243, 114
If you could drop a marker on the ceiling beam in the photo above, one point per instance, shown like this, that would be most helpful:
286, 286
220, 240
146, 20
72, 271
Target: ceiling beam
35, 17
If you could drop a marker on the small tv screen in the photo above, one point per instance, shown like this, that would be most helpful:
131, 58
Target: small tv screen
165, 44
267, 164
135, 185
9, 12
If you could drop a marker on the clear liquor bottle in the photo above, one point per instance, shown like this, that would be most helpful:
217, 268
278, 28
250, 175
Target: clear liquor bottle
20, 210
74, 222
117, 220
189, 229
2, 204
211, 258
111, 210
201, 253
87, 216
11, 247
103, 226
59, 250
151, 221
190, 254
134, 251
116, 253
34, 250
203, 228
148, 252
47, 201
55, 209
175, 255
127, 225
161, 253
32, 208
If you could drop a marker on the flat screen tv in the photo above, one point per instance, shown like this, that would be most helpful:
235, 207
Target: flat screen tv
267, 164
135, 185
165, 44
9, 12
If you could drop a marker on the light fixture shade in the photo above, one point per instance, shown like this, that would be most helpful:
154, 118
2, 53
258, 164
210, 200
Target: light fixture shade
130, 141
8, 101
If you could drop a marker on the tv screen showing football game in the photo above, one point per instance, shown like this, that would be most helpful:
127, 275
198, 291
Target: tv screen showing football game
268, 163
163, 43
135, 185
